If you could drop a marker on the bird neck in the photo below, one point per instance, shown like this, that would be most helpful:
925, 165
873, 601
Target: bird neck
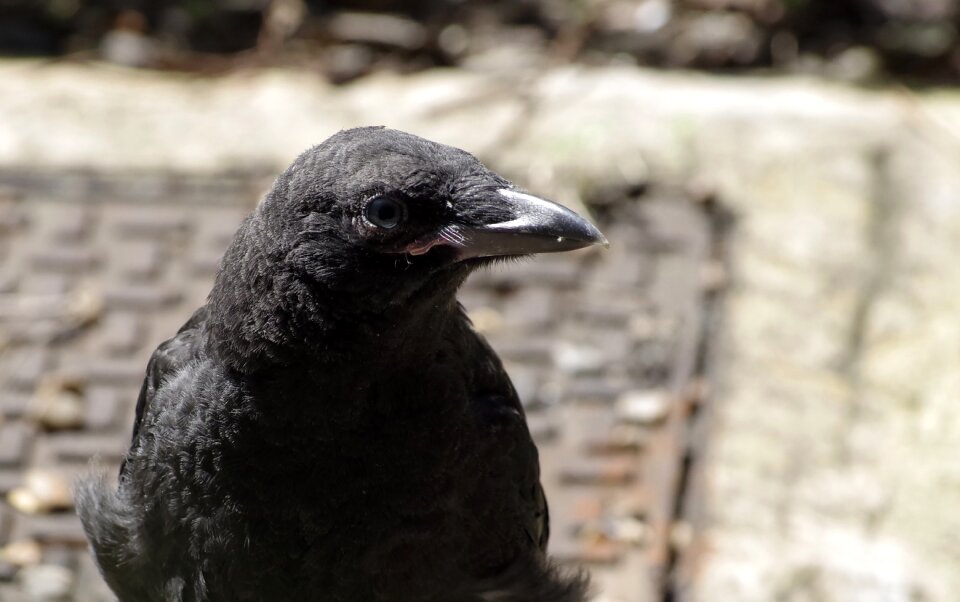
264, 316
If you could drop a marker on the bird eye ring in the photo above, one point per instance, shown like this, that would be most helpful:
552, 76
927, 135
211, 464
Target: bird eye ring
385, 212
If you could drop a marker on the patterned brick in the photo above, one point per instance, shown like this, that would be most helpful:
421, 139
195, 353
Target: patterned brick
592, 552
102, 371
80, 448
9, 478
14, 443
529, 350
531, 309
144, 297
7, 573
206, 263
45, 284
148, 222
13, 404
618, 441
105, 408
63, 258
89, 585
542, 271
51, 529
141, 261
610, 310
34, 332
592, 389
599, 472
71, 223
13, 218
121, 333
24, 367
59, 555
542, 428
527, 384
8, 281
6, 520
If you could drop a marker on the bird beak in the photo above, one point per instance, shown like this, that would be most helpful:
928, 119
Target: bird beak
538, 226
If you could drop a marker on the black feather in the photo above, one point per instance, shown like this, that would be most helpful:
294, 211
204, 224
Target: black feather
329, 426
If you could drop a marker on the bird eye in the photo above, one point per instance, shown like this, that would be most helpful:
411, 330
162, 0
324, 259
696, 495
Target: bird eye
385, 212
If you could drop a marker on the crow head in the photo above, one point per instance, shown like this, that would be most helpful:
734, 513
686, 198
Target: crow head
385, 214
374, 221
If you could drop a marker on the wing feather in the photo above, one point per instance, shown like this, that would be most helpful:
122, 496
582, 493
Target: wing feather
529, 576
502, 406
168, 359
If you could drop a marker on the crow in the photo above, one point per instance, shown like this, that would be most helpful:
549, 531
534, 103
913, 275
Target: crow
329, 426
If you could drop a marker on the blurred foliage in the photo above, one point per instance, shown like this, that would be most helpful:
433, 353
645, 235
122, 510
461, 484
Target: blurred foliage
848, 39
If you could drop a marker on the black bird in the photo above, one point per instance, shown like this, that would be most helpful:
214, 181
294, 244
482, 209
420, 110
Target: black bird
328, 426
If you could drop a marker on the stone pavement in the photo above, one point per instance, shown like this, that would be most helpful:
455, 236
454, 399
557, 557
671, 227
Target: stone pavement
99, 268
830, 469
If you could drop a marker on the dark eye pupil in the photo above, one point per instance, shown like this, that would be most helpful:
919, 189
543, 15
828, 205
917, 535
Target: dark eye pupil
384, 212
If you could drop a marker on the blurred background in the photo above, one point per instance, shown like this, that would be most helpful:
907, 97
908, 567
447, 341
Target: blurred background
862, 40
751, 395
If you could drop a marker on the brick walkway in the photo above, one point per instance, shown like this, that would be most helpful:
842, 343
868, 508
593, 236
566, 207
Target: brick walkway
96, 270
